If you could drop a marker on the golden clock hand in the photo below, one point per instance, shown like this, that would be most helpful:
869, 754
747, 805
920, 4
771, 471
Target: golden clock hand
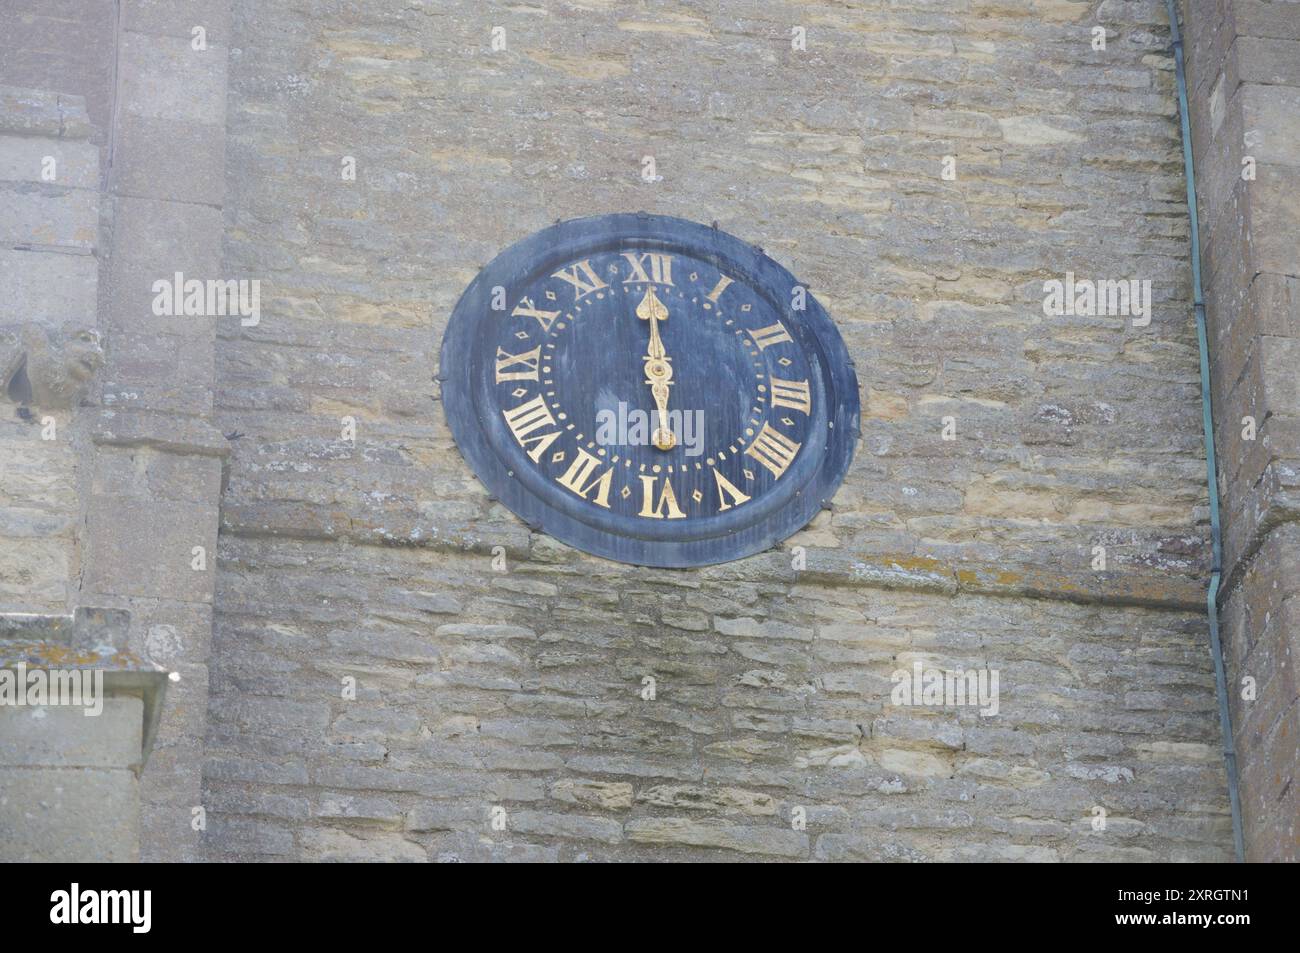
658, 369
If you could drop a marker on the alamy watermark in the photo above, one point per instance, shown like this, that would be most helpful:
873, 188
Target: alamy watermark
42, 688
131, 908
1083, 296
181, 297
636, 427
946, 688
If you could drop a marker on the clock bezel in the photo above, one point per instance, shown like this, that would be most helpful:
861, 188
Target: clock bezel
486, 443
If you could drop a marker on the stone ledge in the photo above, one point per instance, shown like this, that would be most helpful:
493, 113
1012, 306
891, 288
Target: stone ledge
177, 18
1261, 19
83, 629
84, 641
182, 435
1133, 585
41, 112
70, 815
71, 736
1010, 578
1274, 500
150, 686
307, 521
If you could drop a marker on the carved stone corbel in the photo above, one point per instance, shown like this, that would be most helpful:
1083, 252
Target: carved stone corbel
47, 369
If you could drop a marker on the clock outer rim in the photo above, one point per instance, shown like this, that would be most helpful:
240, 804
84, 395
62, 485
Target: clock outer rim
476, 448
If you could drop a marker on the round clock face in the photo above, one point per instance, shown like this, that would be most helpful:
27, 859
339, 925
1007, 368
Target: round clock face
649, 390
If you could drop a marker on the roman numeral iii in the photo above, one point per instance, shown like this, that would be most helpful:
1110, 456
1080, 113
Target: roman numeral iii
773, 449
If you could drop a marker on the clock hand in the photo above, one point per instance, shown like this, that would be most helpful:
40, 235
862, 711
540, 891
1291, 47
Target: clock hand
658, 369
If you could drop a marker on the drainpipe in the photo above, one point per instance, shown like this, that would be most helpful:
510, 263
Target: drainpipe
1211, 466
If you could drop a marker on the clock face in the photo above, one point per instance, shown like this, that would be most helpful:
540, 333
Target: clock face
649, 390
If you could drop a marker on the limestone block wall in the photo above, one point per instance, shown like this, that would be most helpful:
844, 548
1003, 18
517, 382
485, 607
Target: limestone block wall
120, 514
499, 676
71, 758
151, 509
68, 787
1244, 69
49, 224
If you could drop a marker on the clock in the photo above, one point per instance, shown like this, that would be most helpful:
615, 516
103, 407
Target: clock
649, 390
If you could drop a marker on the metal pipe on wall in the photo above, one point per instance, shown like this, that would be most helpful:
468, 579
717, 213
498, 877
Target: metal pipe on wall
1207, 422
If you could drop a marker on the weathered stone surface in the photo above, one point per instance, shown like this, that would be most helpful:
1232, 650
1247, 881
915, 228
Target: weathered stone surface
38, 507
69, 815
394, 655
261, 839
1246, 55
148, 549
171, 159
712, 834
143, 488
47, 288
723, 800
178, 18
1266, 19
341, 846
155, 240
611, 795
68, 164
1261, 634
165, 77
34, 573
65, 736
43, 112
48, 216
49, 369
59, 54
566, 826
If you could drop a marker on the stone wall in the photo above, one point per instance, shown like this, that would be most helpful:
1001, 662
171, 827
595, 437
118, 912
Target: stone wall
71, 757
522, 689
1244, 74
49, 233
120, 511
151, 509
76, 780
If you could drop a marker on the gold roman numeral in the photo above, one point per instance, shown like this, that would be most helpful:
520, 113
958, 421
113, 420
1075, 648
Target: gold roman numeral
772, 334
773, 449
527, 417
727, 490
583, 278
720, 287
576, 478
792, 394
661, 268
544, 318
667, 500
528, 361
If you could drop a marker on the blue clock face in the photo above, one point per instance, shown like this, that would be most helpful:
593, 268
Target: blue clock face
649, 390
